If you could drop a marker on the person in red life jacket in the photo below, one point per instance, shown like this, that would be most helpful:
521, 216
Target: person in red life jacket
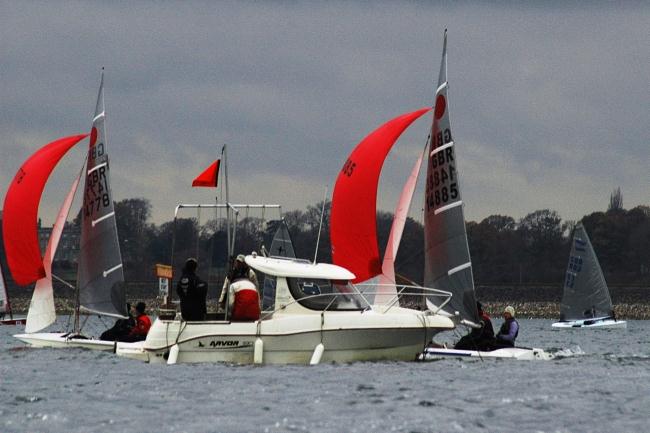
142, 324
239, 270
481, 338
243, 301
509, 330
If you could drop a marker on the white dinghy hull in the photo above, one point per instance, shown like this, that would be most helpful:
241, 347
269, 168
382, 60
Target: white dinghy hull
291, 339
518, 353
62, 340
590, 323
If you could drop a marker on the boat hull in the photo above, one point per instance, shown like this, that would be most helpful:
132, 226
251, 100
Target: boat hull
14, 321
518, 353
292, 339
590, 323
63, 340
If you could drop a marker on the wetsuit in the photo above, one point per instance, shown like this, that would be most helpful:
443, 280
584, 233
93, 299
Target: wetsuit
121, 328
192, 292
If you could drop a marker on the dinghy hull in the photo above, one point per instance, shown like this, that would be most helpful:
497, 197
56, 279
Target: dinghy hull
64, 340
518, 353
590, 323
14, 321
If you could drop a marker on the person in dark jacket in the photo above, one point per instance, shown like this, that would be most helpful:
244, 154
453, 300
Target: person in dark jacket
509, 330
481, 338
192, 292
121, 328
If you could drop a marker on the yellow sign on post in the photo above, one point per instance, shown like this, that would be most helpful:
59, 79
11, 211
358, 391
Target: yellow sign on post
163, 271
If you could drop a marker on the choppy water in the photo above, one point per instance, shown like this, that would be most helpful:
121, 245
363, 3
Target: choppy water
604, 386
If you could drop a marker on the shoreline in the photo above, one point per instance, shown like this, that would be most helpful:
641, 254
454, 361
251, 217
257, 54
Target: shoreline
523, 309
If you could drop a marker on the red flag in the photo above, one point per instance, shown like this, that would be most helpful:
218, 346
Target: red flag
209, 176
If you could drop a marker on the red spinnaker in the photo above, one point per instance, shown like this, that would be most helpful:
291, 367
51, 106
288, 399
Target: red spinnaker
20, 212
353, 220
209, 177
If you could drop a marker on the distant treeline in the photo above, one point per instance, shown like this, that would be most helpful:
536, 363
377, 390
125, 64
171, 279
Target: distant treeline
533, 249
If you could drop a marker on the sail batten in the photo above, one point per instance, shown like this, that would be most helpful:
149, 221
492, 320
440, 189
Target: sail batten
100, 276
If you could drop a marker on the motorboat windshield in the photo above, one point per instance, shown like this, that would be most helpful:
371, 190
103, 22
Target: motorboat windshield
330, 295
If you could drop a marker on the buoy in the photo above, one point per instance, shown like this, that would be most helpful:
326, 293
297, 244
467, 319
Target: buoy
173, 355
317, 355
258, 352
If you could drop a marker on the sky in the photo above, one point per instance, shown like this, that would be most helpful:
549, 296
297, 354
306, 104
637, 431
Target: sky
549, 103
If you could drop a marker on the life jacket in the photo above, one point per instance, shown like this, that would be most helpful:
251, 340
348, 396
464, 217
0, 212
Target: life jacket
505, 328
142, 325
245, 301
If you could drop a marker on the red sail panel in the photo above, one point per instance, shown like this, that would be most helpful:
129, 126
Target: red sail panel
20, 212
353, 220
209, 177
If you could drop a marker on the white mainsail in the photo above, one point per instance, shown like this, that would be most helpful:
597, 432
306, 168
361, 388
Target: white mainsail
447, 263
585, 290
42, 312
101, 278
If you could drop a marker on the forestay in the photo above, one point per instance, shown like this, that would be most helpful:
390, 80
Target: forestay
447, 263
100, 276
585, 290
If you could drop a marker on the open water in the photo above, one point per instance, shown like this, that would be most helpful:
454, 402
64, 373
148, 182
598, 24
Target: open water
601, 385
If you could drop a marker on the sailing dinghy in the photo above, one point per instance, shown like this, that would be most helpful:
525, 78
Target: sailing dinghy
5, 305
100, 278
585, 301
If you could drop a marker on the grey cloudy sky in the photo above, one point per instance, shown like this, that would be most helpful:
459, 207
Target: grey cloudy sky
549, 104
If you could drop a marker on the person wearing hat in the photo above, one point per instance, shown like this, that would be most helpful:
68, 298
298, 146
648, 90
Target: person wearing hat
238, 270
509, 330
192, 291
481, 338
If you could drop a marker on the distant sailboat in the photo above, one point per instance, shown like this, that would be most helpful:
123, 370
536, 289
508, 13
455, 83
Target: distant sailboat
100, 277
281, 246
5, 305
586, 302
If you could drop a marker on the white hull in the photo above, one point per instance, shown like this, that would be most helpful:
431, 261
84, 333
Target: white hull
62, 340
590, 323
292, 339
518, 353
14, 321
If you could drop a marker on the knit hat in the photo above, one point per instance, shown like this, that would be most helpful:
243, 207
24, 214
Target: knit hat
510, 310
241, 258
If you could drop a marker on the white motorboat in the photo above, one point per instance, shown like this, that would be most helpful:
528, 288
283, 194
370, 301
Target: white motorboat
585, 300
318, 316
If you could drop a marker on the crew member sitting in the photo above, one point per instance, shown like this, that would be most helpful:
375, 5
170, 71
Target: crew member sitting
481, 338
142, 324
509, 330
192, 292
121, 328
238, 271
